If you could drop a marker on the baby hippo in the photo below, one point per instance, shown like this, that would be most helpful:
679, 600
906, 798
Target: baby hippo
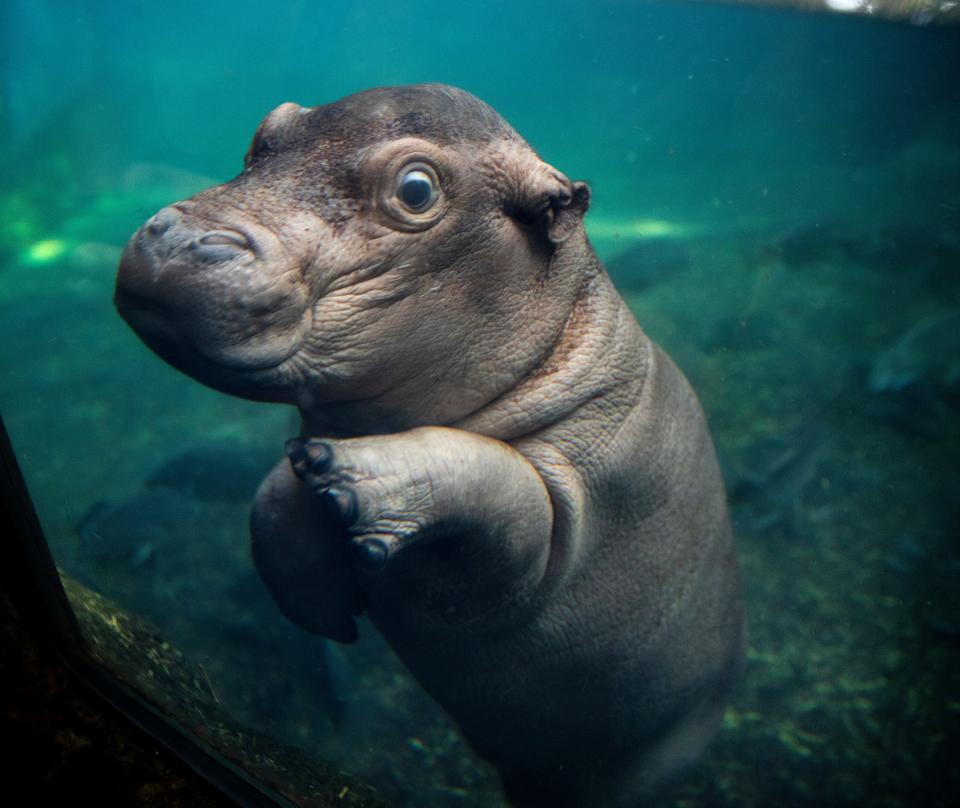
496, 464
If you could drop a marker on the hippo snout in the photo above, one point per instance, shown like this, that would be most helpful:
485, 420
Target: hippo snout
161, 221
222, 291
166, 233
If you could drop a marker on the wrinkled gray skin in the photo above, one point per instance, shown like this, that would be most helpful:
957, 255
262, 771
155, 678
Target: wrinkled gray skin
503, 471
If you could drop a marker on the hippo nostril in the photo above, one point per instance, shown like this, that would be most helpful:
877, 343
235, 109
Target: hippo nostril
217, 246
225, 238
162, 221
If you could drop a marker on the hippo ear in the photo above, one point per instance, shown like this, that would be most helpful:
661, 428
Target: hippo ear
567, 211
553, 205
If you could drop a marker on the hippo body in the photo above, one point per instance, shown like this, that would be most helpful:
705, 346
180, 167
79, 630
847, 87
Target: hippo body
495, 462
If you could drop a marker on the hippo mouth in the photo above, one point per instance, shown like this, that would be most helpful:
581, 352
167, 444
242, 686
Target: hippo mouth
158, 328
271, 379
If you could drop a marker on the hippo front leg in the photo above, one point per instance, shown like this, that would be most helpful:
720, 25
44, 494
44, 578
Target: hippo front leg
299, 552
445, 527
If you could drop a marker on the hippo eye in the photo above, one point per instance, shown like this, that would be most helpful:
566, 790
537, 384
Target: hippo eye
416, 190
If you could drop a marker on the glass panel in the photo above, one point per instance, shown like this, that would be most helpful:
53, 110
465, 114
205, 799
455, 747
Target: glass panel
775, 196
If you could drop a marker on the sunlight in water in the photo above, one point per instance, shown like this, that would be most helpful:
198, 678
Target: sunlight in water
635, 228
45, 251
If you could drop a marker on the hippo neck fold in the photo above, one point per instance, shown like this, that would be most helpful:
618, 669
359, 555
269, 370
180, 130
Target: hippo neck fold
572, 375
563, 378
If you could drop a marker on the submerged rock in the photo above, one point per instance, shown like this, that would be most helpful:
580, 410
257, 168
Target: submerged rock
648, 262
769, 480
927, 252
927, 353
808, 243
914, 248
134, 531
213, 471
744, 332
915, 383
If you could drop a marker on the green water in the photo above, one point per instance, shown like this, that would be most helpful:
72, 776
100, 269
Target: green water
778, 195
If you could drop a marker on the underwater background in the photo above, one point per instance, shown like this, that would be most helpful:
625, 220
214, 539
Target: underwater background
776, 194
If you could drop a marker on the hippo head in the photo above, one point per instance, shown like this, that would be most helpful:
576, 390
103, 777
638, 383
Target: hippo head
398, 257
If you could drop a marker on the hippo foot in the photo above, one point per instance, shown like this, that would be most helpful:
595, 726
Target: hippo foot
383, 502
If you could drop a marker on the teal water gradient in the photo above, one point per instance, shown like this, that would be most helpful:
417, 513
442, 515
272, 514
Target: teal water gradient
778, 196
